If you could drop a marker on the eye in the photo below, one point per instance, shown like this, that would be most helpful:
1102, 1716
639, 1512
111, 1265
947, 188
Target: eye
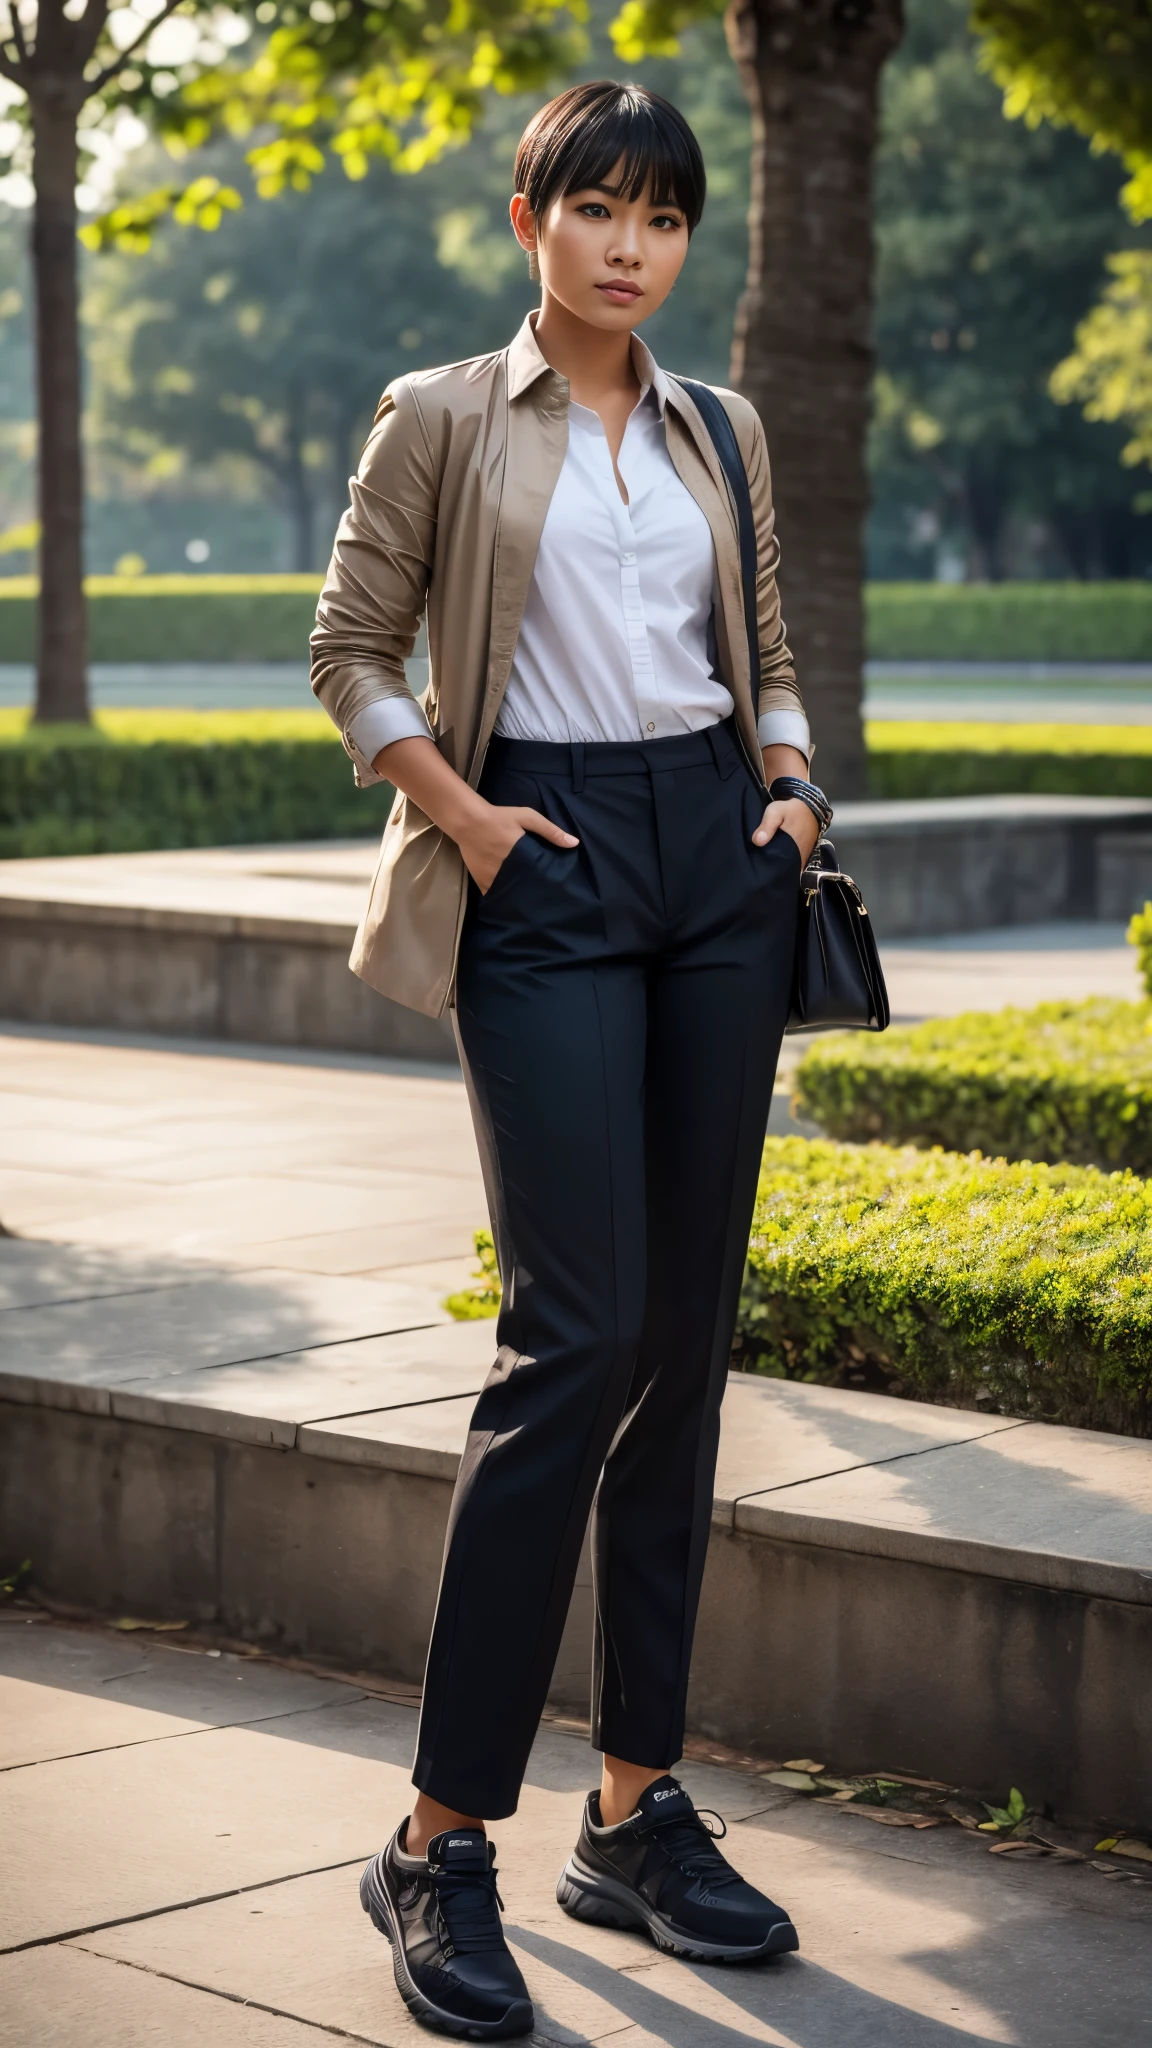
664, 221
594, 209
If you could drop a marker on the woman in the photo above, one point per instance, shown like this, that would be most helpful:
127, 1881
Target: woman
584, 864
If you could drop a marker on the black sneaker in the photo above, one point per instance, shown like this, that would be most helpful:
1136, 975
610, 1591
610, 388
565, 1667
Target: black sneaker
453, 1968
660, 1870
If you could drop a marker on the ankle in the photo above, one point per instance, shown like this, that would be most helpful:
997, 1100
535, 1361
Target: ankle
622, 1787
430, 1818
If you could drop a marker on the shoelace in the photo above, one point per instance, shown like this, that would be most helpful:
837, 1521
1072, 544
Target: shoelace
467, 1902
688, 1840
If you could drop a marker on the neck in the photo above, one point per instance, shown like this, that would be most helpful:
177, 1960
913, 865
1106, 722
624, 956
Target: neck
595, 363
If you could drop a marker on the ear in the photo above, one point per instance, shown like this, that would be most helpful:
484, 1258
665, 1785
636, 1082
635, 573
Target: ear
523, 222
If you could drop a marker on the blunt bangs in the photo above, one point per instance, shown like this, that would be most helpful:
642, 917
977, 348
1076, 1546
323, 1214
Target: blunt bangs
593, 131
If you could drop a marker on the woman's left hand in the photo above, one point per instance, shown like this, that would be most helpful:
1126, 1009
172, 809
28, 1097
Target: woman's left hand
794, 818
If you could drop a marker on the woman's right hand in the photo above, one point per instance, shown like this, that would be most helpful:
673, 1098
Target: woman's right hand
486, 837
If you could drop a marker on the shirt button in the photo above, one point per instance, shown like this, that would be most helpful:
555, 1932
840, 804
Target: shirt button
651, 727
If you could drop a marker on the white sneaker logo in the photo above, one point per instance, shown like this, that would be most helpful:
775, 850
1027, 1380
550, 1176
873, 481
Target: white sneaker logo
460, 1842
674, 1794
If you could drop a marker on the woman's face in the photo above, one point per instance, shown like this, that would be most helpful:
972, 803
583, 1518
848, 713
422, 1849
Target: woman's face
611, 261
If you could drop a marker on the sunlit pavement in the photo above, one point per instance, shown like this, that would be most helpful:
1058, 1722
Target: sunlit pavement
183, 1834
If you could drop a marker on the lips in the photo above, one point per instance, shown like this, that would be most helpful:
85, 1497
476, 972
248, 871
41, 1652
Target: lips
621, 294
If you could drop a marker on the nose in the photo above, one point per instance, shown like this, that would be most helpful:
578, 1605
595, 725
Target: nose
626, 253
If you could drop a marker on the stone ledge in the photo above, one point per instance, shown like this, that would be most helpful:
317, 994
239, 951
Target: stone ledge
967, 1595
1072, 1509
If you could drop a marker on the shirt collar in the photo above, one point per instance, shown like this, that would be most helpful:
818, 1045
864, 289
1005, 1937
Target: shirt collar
526, 365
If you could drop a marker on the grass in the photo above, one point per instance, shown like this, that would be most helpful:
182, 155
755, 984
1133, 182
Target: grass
141, 728
213, 728
23, 587
931, 736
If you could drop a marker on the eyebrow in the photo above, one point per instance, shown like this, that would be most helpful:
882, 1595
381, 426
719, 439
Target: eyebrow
617, 192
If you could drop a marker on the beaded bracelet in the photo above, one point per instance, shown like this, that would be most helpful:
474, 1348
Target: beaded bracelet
788, 788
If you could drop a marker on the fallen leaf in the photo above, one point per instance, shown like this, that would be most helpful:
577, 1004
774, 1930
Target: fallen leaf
1109, 1842
1139, 1850
922, 1784
797, 1781
126, 1622
802, 1763
1017, 1849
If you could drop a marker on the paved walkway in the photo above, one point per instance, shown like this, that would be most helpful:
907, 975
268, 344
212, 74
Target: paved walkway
332, 1163
183, 1833
313, 1164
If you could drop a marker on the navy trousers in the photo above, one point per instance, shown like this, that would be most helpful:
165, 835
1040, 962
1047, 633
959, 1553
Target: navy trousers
619, 1014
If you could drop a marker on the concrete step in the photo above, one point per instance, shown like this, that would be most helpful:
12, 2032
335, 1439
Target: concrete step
968, 1596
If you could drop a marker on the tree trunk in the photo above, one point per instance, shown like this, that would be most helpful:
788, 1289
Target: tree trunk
802, 351
297, 484
985, 500
62, 634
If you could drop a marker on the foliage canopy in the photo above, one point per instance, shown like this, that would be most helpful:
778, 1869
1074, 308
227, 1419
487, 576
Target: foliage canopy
1084, 62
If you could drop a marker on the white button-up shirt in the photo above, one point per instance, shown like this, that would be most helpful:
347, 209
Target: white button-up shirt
615, 641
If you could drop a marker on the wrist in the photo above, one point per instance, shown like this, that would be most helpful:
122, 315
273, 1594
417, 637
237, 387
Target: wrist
797, 789
463, 812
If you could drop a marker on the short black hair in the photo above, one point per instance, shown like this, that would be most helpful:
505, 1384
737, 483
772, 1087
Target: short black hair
579, 139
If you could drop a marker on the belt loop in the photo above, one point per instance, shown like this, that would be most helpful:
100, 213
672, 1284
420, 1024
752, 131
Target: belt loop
726, 757
577, 766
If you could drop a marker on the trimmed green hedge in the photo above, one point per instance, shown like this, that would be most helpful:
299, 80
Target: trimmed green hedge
1065, 1081
1019, 1289
269, 618
176, 618
960, 770
85, 794
1026, 1289
1009, 621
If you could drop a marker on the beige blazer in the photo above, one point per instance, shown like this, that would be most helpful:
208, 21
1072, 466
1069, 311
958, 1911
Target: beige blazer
446, 513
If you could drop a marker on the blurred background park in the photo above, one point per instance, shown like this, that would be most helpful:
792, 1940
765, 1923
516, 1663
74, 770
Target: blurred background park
926, 257
240, 1204
232, 374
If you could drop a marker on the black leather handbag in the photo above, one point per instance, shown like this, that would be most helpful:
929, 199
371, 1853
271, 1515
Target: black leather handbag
837, 979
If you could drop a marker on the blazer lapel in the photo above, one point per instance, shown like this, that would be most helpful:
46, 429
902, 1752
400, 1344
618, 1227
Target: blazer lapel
536, 442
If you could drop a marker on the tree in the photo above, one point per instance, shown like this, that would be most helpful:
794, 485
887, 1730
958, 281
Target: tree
991, 243
1091, 66
1110, 368
802, 351
1087, 63
270, 340
353, 78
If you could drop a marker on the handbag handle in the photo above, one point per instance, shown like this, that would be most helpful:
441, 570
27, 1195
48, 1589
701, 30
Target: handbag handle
722, 435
